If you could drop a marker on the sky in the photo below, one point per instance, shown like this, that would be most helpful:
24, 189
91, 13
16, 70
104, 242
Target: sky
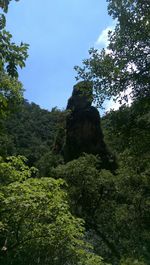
59, 33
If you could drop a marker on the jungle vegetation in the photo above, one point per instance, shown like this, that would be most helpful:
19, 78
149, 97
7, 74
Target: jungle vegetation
77, 213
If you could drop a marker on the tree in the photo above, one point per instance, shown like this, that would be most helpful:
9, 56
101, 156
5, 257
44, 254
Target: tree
36, 226
11, 56
127, 64
114, 207
5, 3
31, 132
11, 93
127, 133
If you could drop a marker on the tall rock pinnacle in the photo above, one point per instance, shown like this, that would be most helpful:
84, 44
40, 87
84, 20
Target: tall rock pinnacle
83, 129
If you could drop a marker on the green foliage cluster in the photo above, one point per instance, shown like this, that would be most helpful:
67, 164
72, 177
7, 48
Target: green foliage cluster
127, 132
5, 3
11, 57
36, 225
115, 207
31, 131
127, 63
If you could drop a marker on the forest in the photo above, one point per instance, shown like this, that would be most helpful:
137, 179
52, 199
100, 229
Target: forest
66, 198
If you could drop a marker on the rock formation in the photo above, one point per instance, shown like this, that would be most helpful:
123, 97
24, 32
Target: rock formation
83, 130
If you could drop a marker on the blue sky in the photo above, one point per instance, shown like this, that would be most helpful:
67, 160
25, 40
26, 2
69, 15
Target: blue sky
59, 33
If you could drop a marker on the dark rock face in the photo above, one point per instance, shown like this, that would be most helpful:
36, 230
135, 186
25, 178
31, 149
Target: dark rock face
81, 96
83, 130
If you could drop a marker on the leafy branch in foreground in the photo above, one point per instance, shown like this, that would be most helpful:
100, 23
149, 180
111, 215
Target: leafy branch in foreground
36, 225
5, 3
12, 56
125, 65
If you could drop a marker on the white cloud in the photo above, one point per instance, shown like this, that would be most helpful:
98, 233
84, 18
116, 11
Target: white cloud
112, 105
115, 105
102, 40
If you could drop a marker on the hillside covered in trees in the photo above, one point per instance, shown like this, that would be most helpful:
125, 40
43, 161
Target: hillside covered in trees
60, 202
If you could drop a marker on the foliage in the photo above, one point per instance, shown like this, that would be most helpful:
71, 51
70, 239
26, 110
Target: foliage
127, 64
5, 3
82, 176
129, 261
31, 132
36, 225
124, 129
76, 213
11, 56
115, 207
48, 162
14, 169
11, 93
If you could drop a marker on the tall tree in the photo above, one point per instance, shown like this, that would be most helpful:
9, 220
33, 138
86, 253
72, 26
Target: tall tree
36, 225
11, 56
115, 207
127, 63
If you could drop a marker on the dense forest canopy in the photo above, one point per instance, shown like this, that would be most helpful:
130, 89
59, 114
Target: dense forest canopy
54, 212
